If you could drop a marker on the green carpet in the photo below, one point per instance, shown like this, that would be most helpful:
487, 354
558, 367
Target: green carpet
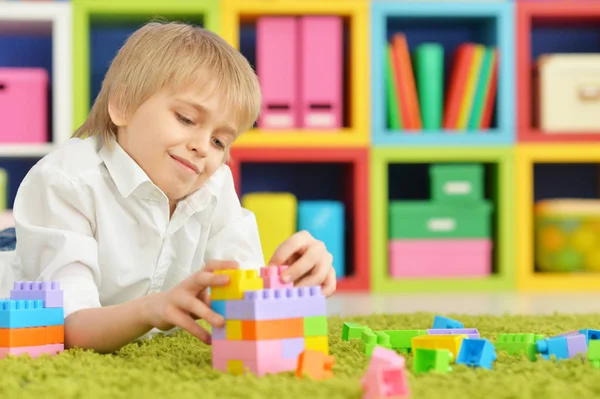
179, 367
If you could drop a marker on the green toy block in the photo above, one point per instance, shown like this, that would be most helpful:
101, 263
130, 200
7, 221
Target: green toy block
426, 360
593, 354
519, 344
402, 339
352, 330
315, 326
370, 339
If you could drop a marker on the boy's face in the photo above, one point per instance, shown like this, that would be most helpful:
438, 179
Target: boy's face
178, 139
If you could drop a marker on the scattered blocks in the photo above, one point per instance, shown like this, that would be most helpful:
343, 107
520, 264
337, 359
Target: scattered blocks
445, 322
437, 360
477, 352
370, 339
562, 347
519, 344
593, 354
315, 364
352, 330
267, 329
590, 335
449, 342
386, 376
469, 332
32, 320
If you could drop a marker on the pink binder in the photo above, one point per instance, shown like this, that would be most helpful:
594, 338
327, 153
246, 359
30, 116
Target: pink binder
277, 69
321, 49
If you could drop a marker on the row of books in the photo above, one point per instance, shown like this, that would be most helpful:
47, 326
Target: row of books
418, 97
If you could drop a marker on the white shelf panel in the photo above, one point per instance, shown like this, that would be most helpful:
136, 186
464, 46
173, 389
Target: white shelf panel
24, 150
53, 18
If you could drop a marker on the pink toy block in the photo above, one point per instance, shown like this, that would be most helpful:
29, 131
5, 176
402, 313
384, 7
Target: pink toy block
261, 367
291, 348
261, 357
47, 291
385, 376
280, 303
277, 69
33, 351
440, 258
23, 105
272, 277
321, 49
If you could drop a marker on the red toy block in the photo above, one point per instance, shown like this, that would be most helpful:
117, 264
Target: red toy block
272, 277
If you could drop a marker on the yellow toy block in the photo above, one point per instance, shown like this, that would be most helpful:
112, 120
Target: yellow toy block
235, 367
320, 344
233, 330
276, 216
240, 281
450, 342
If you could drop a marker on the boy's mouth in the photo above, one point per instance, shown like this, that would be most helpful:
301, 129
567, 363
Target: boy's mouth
189, 165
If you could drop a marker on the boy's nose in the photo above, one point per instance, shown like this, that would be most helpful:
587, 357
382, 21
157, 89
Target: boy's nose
200, 146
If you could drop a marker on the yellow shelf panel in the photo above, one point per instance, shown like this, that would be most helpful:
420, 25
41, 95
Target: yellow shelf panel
356, 13
527, 155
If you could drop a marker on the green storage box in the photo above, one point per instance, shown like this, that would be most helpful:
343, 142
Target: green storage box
430, 219
456, 182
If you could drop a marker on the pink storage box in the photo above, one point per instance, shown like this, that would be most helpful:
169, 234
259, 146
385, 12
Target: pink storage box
23, 105
440, 258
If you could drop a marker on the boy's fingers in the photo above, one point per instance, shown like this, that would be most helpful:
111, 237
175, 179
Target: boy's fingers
330, 283
305, 264
202, 279
290, 246
190, 325
214, 265
191, 304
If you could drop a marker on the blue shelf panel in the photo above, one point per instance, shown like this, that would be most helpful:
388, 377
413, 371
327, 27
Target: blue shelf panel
449, 24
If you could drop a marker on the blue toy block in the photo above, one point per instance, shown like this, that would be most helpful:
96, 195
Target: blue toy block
218, 306
325, 221
29, 313
555, 346
476, 352
590, 334
441, 322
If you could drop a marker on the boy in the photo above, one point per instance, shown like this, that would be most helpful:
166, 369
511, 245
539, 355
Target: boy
135, 212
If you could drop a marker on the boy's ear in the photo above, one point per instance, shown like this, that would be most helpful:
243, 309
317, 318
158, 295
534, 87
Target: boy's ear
116, 114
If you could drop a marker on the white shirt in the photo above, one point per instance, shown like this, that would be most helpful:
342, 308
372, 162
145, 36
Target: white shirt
90, 218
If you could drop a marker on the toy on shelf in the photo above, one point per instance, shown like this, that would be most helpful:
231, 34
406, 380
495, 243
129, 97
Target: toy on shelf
567, 235
24, 105
268, 324
32, 319
449, 235
299, 63
280, 214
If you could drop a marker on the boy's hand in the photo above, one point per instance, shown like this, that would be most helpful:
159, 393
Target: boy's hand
309, 262
184, 304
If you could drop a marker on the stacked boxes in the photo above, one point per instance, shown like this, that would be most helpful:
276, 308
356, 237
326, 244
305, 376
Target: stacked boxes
267, 324
32, 319
449, 235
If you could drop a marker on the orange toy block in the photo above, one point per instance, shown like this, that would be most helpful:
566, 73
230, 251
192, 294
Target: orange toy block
315, 364
31, 336
272, 329
240, 281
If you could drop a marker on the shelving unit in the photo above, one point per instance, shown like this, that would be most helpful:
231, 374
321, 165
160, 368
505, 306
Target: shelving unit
449, 24
500, 161
323, 174
235, 13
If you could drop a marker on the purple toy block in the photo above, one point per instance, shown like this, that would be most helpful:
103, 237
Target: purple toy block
281, 303
292, 347
576, 344
47, 291
470, 332
219, 333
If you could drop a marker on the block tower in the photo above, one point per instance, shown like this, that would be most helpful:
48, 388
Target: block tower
268, 324
32, 319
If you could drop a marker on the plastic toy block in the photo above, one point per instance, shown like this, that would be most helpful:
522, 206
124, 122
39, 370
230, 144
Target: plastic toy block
577, 344
590, 334
402, 339
280, 303
28, 313
315, 365
235, 367
450, 342
369, 339
234, 330
519, 344
241, 280
247, 350
386, 375
272, 329
259, 367
292, 347
352, 330
445, 322
219, 333
272, 277
477, 352
320, 344
315, 326
553, 347
47, 291
32, 351
31, 336
218, 306
437, 360
469, 332
593, 354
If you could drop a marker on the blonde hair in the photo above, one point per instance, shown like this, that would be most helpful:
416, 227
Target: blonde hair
174, 55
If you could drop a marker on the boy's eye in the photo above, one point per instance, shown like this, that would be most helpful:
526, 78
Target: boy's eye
218, 143
183, 119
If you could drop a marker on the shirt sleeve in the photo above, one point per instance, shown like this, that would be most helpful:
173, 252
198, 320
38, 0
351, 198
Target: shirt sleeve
234, 231
55, 240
